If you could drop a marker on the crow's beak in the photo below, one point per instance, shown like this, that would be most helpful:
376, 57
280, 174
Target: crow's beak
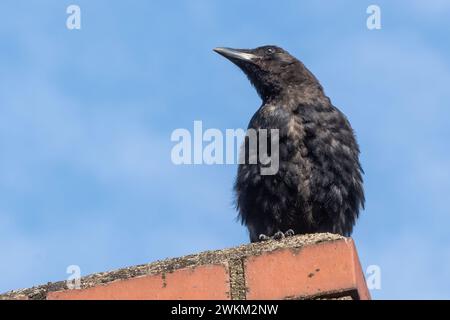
235, 54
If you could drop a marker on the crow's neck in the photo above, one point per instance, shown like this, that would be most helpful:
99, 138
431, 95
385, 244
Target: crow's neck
303, 93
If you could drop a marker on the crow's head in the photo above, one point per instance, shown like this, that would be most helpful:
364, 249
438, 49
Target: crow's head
270, 69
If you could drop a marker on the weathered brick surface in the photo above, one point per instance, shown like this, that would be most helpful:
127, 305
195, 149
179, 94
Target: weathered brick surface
322, 269
202, 283
301, 267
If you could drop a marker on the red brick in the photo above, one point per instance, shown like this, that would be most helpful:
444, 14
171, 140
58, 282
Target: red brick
202, 282
320, 269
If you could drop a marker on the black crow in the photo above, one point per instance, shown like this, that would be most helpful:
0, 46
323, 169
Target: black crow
318, 186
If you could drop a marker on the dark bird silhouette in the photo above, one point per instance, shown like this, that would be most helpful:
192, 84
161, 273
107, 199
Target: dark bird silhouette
318, 186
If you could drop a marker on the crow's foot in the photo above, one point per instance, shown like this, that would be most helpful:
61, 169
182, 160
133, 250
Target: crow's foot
277, 236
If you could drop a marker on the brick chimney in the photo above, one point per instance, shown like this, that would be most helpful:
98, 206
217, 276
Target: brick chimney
315, 266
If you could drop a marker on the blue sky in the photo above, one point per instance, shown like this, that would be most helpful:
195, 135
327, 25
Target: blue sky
86, 117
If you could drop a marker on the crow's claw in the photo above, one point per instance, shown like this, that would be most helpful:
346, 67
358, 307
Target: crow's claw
263, 237
289, 233
279, 235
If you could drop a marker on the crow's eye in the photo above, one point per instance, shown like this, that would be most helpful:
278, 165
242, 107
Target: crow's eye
270, 51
